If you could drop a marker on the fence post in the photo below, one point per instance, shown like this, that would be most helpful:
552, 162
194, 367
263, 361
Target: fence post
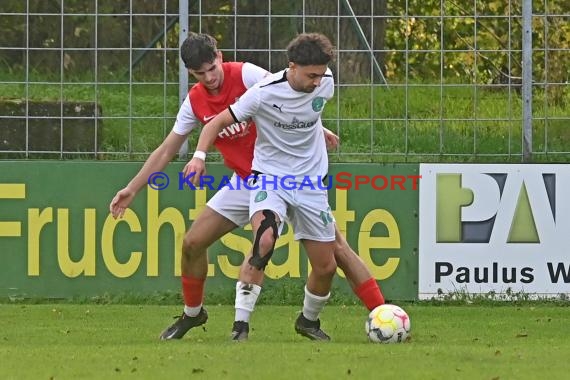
182, 72
527, 79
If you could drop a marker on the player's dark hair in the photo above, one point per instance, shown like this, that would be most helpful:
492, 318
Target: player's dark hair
198, 49
310, 49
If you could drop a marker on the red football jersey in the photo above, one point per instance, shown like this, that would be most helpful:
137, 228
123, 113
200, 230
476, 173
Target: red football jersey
235, 142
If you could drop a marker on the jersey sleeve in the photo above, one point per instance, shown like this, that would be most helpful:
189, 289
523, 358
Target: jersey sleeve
247, 105
251, 74
330, 85
186, 121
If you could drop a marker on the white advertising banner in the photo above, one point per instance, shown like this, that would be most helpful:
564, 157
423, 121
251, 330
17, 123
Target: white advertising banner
494, 228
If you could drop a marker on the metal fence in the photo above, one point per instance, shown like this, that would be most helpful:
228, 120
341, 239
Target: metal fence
443, 81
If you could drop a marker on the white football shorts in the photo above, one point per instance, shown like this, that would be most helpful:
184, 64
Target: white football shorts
307, 210
232, 201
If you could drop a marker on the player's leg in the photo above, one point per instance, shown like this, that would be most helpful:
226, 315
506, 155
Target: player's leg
317, 289
357, 273
323, 266
205, 230
248, 289
267, 212
314, 225
217, 219
248, 286
265, 225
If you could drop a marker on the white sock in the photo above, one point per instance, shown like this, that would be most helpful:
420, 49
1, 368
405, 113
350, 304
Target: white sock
192, 311
313, 304
246, 297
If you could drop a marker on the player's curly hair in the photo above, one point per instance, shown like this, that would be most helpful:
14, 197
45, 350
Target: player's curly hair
198, 49
310, 49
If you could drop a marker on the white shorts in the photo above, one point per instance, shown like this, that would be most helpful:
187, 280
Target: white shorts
307, 210
232, 202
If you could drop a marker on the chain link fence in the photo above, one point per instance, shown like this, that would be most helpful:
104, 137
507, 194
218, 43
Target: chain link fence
437, 81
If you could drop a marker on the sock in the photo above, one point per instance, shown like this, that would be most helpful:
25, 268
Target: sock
192, 311
193, 293
246, 297
370, 294
313, 305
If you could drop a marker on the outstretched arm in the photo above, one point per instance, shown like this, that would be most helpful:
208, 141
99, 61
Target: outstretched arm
157, 161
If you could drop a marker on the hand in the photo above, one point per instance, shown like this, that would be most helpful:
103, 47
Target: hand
196, 166
121, 202
331, 140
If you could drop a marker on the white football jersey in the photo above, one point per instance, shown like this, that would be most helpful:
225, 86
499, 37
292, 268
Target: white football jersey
290, 140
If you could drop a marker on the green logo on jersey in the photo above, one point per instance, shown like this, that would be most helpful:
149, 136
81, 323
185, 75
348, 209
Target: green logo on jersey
318, 103
326, 217
260, 196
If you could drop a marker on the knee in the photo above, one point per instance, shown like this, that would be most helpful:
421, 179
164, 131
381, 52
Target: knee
326, 269
192, 245
266, 243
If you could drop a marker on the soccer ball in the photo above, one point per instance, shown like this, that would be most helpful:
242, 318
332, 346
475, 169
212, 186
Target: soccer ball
387, 324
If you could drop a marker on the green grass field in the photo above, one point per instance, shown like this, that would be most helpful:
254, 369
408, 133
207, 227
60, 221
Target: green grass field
70, 341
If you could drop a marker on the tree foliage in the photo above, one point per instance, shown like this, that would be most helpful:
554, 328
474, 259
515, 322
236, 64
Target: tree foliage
427, 40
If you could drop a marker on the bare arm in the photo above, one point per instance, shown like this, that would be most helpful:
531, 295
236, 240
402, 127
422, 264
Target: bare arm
331, 139
157, 161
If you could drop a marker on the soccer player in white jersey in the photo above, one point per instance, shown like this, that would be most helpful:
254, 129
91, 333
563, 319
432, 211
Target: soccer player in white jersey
219, 83
286, 108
